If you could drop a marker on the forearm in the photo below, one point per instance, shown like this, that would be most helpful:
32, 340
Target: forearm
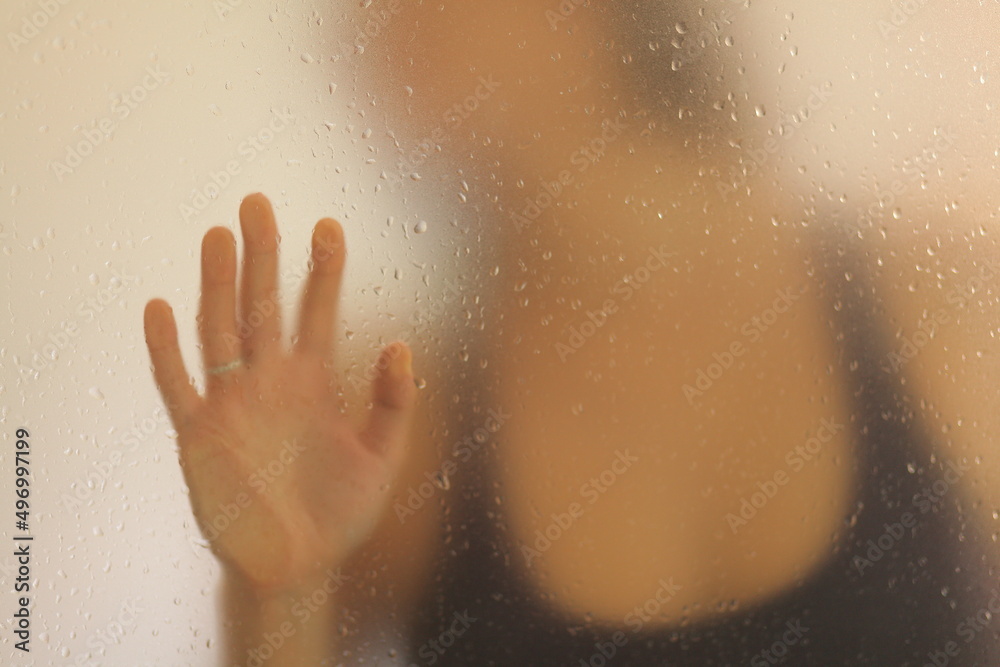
287, 628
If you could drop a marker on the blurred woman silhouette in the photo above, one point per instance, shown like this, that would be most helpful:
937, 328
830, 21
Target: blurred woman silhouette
694, 455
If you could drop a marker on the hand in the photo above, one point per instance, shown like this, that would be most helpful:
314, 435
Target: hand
281, 484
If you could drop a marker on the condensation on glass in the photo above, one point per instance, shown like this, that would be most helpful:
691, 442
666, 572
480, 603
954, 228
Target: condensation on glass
702, 299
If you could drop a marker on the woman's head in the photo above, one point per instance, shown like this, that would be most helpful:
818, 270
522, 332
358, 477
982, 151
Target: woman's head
553, 57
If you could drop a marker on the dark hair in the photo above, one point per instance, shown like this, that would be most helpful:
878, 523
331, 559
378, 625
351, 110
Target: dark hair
672, 58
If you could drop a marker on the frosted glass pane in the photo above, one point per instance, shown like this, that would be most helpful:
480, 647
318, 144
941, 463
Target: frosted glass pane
666, 333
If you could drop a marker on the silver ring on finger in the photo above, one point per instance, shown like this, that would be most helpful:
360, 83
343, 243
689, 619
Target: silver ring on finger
225, 368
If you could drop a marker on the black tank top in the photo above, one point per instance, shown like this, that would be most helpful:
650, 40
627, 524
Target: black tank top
894, 591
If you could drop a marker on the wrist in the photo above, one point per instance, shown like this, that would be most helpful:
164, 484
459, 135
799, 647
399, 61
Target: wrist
288, 625
320, 585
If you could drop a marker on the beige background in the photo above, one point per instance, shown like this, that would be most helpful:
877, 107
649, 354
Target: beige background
132, 537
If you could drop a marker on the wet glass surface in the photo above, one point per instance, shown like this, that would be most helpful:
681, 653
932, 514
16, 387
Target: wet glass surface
701, 299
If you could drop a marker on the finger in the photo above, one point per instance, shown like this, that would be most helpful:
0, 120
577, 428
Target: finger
394, 396
175, 386
217, 316
319, 302
260, 312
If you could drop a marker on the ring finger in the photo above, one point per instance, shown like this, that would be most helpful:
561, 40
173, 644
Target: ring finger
217, 314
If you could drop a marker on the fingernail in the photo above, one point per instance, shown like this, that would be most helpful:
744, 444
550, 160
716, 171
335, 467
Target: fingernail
326, 239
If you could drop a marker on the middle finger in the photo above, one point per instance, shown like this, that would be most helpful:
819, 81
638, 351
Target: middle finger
260, 321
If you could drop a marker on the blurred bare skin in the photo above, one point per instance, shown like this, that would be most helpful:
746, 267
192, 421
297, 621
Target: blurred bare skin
665, 517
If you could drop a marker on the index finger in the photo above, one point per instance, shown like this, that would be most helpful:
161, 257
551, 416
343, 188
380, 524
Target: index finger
171, 377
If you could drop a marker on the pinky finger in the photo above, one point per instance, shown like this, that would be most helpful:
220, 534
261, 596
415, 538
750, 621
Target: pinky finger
394, 396
181, 397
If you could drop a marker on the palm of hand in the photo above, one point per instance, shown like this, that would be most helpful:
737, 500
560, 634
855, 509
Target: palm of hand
281, 483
